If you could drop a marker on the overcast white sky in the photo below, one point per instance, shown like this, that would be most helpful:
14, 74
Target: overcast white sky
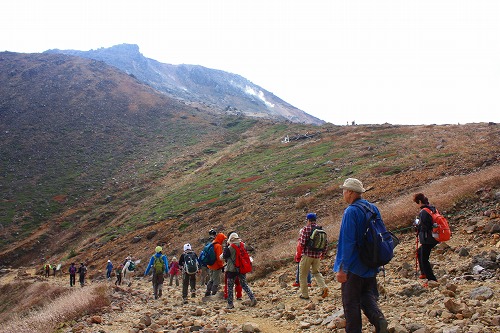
395, 61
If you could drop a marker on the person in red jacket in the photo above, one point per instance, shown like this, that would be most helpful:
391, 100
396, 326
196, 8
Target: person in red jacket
237, 284
216, 268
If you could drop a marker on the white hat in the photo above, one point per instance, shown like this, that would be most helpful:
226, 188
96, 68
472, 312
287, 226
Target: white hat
187, 246
353, 184
234, 238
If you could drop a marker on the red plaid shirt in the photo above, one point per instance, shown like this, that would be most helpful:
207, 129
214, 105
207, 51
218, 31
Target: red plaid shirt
303, 237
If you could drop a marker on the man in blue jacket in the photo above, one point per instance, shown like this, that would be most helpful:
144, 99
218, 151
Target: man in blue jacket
359, 282
159, 263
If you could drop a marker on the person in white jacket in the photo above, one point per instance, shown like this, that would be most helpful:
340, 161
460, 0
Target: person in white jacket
128, 271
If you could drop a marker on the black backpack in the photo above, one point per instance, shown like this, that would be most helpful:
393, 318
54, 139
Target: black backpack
377, 247
190, 263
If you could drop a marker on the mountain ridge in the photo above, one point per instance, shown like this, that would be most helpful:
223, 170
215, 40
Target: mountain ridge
195, 84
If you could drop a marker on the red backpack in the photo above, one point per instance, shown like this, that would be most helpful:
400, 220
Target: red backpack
440, 229
242, 262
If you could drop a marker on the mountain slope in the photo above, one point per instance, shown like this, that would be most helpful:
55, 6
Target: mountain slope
216, 89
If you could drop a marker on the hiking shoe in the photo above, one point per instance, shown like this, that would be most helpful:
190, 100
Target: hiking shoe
184, 300
239, 299
325, 293
382, 326
296, 284
230, 306
308, 284
253, 302
193, 294
422, 276
303, 297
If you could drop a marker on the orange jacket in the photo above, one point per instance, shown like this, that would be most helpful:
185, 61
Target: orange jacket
218, 264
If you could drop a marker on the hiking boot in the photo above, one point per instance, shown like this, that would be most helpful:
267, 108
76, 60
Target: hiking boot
303, 297
193, 294
308, 284
325, 293
184, 301
296, 284
422, 276
382, 326
230, 306
253, 302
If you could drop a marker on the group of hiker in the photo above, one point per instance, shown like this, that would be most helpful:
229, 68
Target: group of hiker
355, 267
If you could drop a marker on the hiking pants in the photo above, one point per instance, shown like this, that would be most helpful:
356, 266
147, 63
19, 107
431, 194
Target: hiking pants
306, 264
72, 280
188, 280
118, 279
172, 277
157, 284
423, 253
82, 280
237, 286
360, 294
213, 284
231, 276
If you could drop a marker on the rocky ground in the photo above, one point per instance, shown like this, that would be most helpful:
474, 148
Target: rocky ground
465, 299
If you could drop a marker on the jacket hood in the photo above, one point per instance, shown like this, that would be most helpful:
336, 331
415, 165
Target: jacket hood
220, 238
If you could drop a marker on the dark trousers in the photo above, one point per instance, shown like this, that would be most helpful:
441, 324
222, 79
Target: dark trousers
188, 280
360, 294
72, 279
423, 254
231, 276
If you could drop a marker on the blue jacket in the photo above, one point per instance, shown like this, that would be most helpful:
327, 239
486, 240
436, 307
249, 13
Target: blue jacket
152, 260
109, 267
351, 235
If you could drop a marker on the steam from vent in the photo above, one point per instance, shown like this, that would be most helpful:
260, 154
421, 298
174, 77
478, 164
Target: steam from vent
259, 95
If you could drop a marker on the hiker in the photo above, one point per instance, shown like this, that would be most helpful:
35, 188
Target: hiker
298, 256
205, 272
427, 241
216, 268
358, 281
118, 273
310, 259
188, 262
54, 267
109, 269
237, 284
72, 274
47, 269
128, 271
174, 271
159, 263
232, 254
82, 271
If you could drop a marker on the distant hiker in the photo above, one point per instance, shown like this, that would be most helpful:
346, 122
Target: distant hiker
216, 268
47, 269
109, 269
311, 258
118, 273
188, 262
205, 272
54, 267
427, 241
82, 271
358, 281
72, 274
298, 256
159, 265
128, 271
174, 271
237, 284
233, 253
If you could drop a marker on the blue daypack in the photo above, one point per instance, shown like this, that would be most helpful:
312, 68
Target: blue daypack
207, 255
377, 246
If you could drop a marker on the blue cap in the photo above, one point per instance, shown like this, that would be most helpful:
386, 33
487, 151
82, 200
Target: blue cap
311, 216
